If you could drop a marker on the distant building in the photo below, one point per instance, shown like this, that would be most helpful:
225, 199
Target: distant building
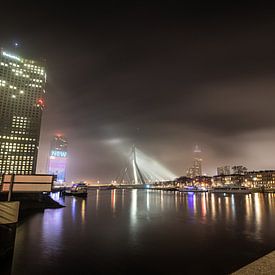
239, 169
223, 170
235, 179
189, 172
196, 169
260, 179
182, 181
57, 160
202, 181
22, 88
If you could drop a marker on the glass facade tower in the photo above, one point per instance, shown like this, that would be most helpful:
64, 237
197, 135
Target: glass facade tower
22, 89
57, 161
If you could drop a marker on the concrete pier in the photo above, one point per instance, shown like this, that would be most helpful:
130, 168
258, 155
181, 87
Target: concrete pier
262, 266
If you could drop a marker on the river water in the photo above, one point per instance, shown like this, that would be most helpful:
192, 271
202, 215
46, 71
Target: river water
146, 232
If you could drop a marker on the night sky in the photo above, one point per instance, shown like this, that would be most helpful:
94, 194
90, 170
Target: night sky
165, 77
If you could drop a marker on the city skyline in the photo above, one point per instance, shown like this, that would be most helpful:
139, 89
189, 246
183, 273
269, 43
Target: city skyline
168, 79
136, 136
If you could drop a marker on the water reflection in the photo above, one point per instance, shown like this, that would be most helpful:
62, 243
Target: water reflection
148, 200
97, 198
258, 204
233, 206
122, 197
73, 208
133, 209
51, 231
244, 224
176, 201
213, 206
191, 204
113, 200
203, 205
83, 210
161, 200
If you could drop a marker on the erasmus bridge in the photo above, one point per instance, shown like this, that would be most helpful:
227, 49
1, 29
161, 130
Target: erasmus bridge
142, 169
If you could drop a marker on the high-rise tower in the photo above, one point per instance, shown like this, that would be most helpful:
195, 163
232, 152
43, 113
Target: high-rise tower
197, 164
57, 161
196, 169
22, 88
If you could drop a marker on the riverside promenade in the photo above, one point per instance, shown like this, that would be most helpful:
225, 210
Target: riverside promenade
263, 266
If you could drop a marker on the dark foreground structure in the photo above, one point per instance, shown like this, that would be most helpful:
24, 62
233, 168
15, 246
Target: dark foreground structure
7, 239
29, 203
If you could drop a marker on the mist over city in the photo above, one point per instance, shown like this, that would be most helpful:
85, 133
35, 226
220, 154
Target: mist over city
166, 80
137, 137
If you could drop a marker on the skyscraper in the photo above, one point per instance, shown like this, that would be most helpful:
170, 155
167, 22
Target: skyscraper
22, 88
196, 169
57, 161
197, 164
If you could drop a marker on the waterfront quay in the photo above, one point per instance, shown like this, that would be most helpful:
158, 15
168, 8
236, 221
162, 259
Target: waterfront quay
263, 266
169, 186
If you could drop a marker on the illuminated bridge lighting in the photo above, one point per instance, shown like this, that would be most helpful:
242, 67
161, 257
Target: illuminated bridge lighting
143, 169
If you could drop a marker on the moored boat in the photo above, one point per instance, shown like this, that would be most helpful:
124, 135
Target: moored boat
231, 189
78, 189
192, 189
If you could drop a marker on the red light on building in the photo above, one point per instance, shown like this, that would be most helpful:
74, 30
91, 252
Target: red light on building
40, 102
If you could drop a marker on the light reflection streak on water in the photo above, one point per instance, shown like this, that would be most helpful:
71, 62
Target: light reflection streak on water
148, 200
113, 200
73, 208
203, 205
161, 200
52, 227
195, 203
83, 210
258, 214
213, 206
96, 199
248, 210
227, 209
190, 202
122, 197
219, 206
233, 207
176, 200
133, 208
